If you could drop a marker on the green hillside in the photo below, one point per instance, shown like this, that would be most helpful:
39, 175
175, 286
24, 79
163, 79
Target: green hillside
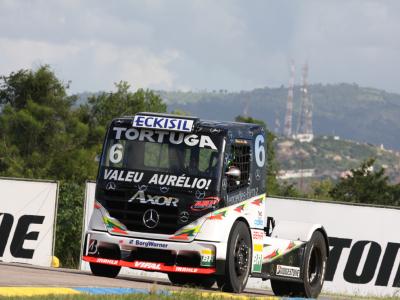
356, 113
330, 158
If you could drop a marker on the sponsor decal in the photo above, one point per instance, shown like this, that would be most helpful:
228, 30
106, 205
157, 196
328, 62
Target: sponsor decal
257, 263
186, 234
148, 244
107, 261
278, 252
163, 180
168, 123
114, 225
123, 175
207, 258
291, 245
242, 195
287, 271
240, 208
152, 266
258, 247
92, 249
207, 261
207, 252
206, 203
154, 200
258, 222
180, 181
365, 261
146, 265
186, 269
272, 255
258, 235
218, 215
258, 201
21, 234
159, 136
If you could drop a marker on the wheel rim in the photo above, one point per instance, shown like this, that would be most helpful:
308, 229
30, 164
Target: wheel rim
315, 266
241, 257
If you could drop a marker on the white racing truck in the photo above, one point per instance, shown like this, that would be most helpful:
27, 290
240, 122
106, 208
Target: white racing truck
187, 197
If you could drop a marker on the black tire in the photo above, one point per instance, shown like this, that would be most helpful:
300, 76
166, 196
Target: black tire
314, 267
238, 260
204, 281
106, 270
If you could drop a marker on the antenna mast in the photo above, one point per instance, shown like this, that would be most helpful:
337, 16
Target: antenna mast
289, 104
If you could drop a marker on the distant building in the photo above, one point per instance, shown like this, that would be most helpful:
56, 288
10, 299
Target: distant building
291, 174
304, 137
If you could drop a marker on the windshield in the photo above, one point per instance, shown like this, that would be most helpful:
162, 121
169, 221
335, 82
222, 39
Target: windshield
196, 155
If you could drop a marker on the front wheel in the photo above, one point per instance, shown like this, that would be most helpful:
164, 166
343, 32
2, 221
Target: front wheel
238, 260
313, 271
106, 270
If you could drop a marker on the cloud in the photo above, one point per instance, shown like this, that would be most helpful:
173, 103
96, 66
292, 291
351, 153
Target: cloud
91, 65
226, 44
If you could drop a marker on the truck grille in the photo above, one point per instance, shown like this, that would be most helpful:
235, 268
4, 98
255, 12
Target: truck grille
131, 213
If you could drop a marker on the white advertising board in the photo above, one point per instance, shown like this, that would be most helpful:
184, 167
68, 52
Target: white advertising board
27, 221
364, 243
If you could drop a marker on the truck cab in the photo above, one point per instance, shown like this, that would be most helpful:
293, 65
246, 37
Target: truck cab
187, 197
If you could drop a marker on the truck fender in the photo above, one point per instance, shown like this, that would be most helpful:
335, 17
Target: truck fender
96, 221
298, 231
218, 231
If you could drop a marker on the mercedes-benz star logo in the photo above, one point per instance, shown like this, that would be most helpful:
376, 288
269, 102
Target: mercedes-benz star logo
258, 174
200, 194
164, 189
151, 218
142, 187
184, 216
110, 186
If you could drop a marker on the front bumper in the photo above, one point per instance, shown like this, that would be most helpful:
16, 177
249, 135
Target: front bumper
199, 257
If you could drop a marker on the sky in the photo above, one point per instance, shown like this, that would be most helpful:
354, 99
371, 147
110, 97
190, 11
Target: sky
203, 44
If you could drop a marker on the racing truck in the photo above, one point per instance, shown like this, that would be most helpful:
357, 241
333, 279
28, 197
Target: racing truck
187, 197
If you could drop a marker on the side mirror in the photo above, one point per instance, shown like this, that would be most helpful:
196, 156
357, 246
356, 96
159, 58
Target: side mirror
233, 172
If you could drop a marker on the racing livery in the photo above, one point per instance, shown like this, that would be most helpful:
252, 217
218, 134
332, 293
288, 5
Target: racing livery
187, 197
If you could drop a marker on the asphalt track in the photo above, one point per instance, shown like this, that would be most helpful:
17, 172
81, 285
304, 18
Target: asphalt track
20, 277
25, 280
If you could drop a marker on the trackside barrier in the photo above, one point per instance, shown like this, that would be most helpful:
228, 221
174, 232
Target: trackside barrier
364, 243
28, 210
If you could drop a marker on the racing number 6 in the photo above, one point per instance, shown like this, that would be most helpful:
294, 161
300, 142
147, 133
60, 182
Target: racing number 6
259, 151
115, 154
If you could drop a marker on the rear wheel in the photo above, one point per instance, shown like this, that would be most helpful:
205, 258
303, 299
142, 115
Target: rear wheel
204, 281
106, 270
313, 271
238, 259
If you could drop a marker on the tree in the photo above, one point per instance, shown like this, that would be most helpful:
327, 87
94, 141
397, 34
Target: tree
365, 185
106, 106
40, 135
321, 189
272, 167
